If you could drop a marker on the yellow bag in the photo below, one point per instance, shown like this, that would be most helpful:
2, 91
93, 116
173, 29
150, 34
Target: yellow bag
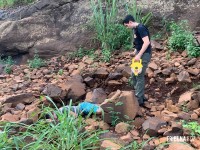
136, 67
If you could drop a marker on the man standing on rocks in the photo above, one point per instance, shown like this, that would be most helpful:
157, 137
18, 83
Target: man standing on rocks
142, 51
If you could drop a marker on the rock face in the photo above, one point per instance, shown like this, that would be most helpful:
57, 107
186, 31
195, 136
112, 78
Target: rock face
178, 10
50, 27
53, 27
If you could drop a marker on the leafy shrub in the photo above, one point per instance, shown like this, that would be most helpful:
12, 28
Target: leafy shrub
179, 36
60, 72
106, 55
194, 127
8, 69
183, 39
8, 62
119, 36
109, 32
193, 50
37, 62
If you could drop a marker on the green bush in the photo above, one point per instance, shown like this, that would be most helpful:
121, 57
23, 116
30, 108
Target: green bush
106, 55
111, 34
8, 62
118, 37
60, 72
183, 39
37, 62
194, 127
193, 50
10, 3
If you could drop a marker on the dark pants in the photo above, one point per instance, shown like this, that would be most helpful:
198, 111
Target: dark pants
139, 81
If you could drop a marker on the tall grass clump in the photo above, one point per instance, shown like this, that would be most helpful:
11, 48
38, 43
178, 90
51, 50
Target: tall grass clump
10, 3
109, 31
67, 132
182, 38
111, 34
6, 143
136, 11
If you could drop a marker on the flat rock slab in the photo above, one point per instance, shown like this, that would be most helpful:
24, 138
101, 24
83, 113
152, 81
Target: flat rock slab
25, 98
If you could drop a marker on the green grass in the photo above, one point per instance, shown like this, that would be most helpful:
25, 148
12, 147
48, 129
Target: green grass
194, 127
109, 32
10, 3
60, 72
196, 86
136, 146
68, 133
182, 38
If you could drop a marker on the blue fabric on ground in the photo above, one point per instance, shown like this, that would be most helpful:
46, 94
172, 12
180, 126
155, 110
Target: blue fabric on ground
87, 107
74, 109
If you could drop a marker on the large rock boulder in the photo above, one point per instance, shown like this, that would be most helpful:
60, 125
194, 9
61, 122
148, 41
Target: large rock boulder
55, 92
152, 125
51, 27
98, 96
25, 98
123, 108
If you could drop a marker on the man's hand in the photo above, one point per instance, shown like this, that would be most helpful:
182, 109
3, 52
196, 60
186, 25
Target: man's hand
143, 49
137, 57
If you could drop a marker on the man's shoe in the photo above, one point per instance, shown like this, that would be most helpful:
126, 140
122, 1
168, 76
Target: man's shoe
141, 104
145, 99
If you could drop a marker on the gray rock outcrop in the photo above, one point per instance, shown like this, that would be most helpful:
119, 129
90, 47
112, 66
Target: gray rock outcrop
49, 27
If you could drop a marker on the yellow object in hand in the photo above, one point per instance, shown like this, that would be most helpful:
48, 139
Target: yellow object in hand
136, 67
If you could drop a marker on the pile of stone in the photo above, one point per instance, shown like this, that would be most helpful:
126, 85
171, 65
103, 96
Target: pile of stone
94, 81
